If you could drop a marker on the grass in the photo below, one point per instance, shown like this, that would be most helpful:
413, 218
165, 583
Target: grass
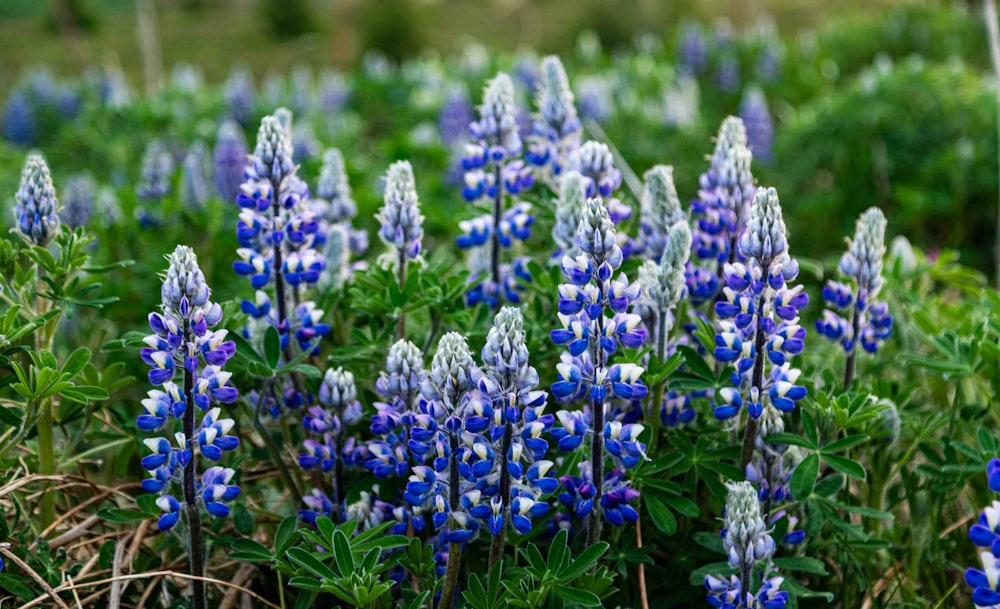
223, 32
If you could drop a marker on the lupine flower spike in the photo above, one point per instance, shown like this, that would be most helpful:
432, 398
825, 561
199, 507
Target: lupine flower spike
747, 545
444, 487
719, 214
229, 160
663, 286
184, 344
660, 210
36, 207
758, 327
867, 320
556, 130
401, 223
591, 339
511, 423
492, 172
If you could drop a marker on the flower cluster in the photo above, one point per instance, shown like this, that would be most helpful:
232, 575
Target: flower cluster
157, 172
556, 130
278, 233
182, 341
229, 159
491, 160
335, 210
510, 424
494, 171
985, 534
719, 213
660, 210
194, 175
868, 321
399, 385
79, 196
591, 338
571, 202
401, 222
758, 328
444, 485
760, 128
595, 162
747, 544
329, 448
36, 206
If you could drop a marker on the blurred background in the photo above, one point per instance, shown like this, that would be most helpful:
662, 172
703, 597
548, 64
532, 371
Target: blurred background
849, 103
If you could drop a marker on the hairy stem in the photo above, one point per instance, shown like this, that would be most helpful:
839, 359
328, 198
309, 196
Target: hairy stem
597, 442
495, 235
757, 381
496, 547
661, 354
852, 356
454, 549
401, 323
46, 417
196, 545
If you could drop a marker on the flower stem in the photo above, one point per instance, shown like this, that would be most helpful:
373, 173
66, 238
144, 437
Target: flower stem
196, 547
454, 549
46, 417
496, 547
401, 323
597, 442
757, 381
495, 235
661, 353
852, 357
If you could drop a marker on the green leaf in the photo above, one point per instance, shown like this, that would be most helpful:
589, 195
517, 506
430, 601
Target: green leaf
284, 535
844, 443
792, 439
696, 364
583, 598
306, 560
587, 559
272, 347
804, 564
242, 521
251, 551
660, 514
804, 477
245, 350
121, 515
829, 485
11, 416
987, 442
845, 466
342, 551
76, 361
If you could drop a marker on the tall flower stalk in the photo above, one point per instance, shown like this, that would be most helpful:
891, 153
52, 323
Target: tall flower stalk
183, 343
867, 321
556, 129
494, 171
758, 328
585, 372
514, 424
663, 287
443, 487
278, 235
401, 224
36, 214
719, 214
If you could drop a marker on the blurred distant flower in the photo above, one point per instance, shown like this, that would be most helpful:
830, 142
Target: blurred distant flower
759, 126
229, 160
78, 197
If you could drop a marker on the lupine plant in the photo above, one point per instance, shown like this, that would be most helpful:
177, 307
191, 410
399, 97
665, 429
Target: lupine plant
360, 465
184, 344
867, 321
586, 374
494, 171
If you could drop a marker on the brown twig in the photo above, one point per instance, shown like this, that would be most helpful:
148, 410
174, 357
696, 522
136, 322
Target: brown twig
241, 577
643, 596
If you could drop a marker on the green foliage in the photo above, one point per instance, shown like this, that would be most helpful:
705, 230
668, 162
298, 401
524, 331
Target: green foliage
924, 149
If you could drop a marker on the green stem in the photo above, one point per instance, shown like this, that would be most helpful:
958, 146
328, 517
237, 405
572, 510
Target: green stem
46, 418
660, 388
454, 549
